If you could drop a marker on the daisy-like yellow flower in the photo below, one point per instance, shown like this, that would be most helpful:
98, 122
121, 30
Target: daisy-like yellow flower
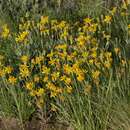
113, 11
51, 86
67, 80
12, 80
59, 90
80, 77
87, 20
39, 59
55, 76
45, 70
44, 20
62, 24
8, 69
45, 79
40, 92
108, 19
24, 59
5, 31
81, 40
29, 85
67, 69
24, 71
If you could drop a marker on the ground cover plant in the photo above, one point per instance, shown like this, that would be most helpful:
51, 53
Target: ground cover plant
70, 70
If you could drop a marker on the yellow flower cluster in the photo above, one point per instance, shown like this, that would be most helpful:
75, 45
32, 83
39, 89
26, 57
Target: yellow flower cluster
73, 55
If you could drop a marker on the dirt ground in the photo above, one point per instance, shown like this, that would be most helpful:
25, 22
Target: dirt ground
13, 124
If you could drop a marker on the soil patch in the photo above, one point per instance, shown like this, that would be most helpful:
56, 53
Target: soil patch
14, 124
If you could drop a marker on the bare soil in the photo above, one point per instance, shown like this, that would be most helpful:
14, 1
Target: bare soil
13, 124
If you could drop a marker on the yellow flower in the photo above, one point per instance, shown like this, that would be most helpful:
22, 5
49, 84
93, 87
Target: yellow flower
39, 59
45, 70
45, 79
51, 54
5, 31
75, 68
87, 20
91, 61
113, 11
24, 71
44, 20
81, 40
61, 46
67, 69
12, 80
93, 28
107, 19
53, 94
51, 87
40, 92
22, 37
63, 78
8, 69
29, 85
52, 62
24, 59
55, 76
125, 4
85, 54
59, 90
62, 24
64, 35
67, 80
94, 54
108, 55
95, 74
80, 77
